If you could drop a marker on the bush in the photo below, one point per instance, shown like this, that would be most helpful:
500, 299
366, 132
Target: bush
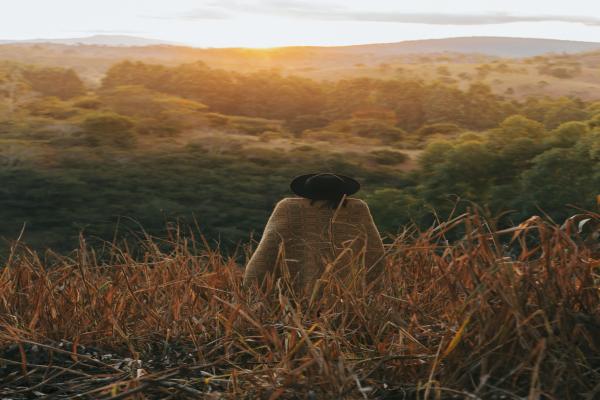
59, 82
388, 157
107, 128
157, 127
267, 136
253, 126
88, 103
369, 128
567, 134
439, 128
51, 107
560, 70
303, 122
325, 136
171, 114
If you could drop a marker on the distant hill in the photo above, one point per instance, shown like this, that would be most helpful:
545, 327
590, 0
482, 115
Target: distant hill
102, 40
492, 46
511, 63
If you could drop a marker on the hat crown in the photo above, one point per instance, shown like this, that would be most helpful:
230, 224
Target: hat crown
324, 186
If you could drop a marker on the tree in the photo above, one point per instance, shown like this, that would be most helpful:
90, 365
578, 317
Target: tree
405, 98
299, 124
59, 82
568, 133
393, 208
484, 109
514, 157
517, 126
435, 153
158, 113
444, 104
465, 170
443, 128
554, 111
107, 128
559, 177
51, 107
388, 157
562, 114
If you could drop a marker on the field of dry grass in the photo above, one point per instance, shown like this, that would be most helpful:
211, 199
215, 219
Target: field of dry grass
496, 315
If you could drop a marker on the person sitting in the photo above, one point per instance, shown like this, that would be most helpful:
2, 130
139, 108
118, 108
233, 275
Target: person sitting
321, 230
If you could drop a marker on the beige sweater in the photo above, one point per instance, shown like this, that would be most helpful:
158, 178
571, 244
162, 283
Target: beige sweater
305, 239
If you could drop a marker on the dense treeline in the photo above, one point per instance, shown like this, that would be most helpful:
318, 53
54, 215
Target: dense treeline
274, 96
228, 196
271, 95
518, 166
157, 144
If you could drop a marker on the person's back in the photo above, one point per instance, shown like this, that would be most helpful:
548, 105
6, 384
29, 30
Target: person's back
304, 236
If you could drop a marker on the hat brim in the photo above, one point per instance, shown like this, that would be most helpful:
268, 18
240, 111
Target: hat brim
298, 186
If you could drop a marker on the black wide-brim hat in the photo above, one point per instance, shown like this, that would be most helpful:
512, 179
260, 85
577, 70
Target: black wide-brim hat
324, 186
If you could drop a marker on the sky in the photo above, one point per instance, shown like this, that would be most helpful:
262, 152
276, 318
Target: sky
268, 23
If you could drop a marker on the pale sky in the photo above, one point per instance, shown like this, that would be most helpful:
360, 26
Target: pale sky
264, 23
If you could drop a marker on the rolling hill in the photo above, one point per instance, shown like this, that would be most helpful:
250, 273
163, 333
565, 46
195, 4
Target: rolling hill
491, 46
462, 60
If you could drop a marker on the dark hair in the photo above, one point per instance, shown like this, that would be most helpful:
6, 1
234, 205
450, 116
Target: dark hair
332, 203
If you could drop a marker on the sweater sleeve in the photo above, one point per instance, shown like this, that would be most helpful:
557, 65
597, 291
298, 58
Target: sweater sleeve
264, 259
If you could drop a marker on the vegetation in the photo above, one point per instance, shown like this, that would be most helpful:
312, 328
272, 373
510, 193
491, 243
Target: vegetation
161, 178
470, 319
206, 146
514, 76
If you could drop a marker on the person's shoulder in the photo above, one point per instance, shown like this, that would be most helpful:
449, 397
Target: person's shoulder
351, 202
291, 201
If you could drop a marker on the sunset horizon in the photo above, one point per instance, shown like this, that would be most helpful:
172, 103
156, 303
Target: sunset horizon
151, 41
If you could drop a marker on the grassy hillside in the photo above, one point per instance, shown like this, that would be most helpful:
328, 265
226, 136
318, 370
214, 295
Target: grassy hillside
199, 145
519, 67
471, 319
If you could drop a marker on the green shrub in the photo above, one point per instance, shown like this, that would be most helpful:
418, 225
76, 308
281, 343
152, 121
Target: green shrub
253, 126
301, 123
171, 114
59, 82
51, 107
568, 134
369, 128
441, 128
107, 128
388, 157
87, 102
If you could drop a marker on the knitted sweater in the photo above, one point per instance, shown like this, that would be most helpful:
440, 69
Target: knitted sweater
304, 239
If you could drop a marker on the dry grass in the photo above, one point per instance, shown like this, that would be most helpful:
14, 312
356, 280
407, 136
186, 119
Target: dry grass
460, 320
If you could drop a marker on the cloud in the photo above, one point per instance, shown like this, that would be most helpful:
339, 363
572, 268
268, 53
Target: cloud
103, 31
224, 9
462, 19
205, 13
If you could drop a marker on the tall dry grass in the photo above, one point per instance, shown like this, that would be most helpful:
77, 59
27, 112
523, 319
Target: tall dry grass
511, 314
